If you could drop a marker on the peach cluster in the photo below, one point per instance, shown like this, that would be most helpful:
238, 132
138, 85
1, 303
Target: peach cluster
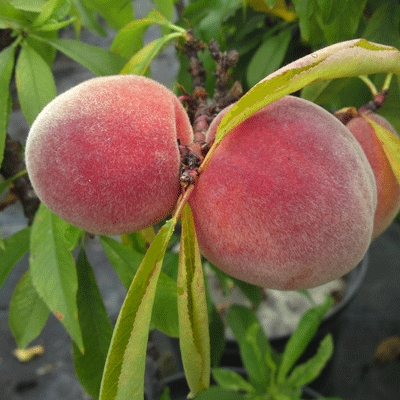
287, 201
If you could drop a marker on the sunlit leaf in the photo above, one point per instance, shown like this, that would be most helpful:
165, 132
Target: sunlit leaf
351, 58
390, 144
231, 380
192, 309
140, 62
276, 7
123, 376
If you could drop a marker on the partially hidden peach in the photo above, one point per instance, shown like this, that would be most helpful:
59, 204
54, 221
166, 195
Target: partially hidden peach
388, 188
104, 154
287, 200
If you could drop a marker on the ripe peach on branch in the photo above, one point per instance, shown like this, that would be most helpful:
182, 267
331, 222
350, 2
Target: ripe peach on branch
104, 155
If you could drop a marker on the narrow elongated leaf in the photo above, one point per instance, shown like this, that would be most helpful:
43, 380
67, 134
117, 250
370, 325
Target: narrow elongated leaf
274, 7
192, 308
14, 247
305, 373
46, 12
129, 39
98, 60
231, 380
123, 376
28, 313
140, 62
268, 57
6, 67
11, 17
254, 345
390, 144
346, 59
95, 326
216, 392
35, 82
53, 269
302, 336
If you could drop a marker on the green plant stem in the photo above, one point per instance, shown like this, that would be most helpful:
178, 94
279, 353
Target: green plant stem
386, 84
370, 85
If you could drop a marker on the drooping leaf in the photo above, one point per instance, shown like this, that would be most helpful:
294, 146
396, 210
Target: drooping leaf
28, 313
390, 144
35, 82
6, 67
302, 336
346, 59
140, 62
95, 326
123, 375
52, 268
14, 247
192, 308
305, 373
98, 60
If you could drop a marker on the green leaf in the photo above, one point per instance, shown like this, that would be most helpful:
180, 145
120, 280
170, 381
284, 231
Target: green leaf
215, 392
268, 57
95, 326
192, 308
11, 17
98, 60
390, 144
123, 376
14, 247
165, 309
6, 68
346, 59
129, 40
46, 12
124, 259
231, 380
305, 373
5, 184
28, 313
302, 336
35, 82
54, 26
254, 345
140, 62
53, 269
320, 92
28, 5
117, 13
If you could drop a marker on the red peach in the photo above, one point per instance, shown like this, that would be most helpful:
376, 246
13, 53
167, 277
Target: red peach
104, 154
287, 200
388, 187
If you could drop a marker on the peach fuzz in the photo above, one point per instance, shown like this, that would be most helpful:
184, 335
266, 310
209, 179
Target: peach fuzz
104, 154
287, 200
388, 187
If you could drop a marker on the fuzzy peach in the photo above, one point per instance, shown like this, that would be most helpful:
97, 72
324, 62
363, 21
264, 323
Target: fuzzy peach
388, 188
287, 200
104, 155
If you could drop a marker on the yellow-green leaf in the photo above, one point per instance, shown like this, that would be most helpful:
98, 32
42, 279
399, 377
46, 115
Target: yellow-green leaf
280, 9
192, 309
345, 59
123, 376
390, 144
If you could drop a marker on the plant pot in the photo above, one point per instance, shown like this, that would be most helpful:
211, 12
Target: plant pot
179, 389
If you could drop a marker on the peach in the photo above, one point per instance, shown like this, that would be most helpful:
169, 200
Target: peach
104, 154
388, 188
287, 200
